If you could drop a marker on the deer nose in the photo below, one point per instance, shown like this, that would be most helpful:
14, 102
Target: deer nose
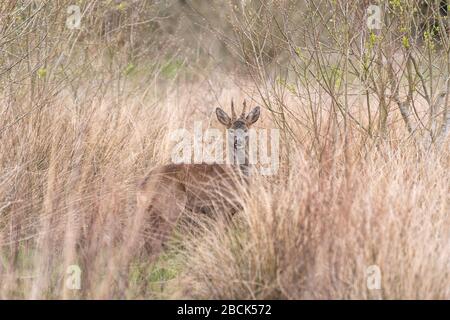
239, 142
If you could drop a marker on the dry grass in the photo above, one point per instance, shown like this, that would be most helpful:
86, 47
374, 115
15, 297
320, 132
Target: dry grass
84, 114
315, 235
67, 197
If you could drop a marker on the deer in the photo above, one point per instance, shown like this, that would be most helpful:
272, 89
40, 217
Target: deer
170, 190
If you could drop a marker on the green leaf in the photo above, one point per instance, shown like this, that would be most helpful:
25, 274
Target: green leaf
42, 73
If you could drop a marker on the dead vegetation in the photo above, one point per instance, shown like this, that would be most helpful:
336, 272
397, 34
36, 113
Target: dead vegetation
364, 177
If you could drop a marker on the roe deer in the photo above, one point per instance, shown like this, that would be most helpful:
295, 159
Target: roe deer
169, 190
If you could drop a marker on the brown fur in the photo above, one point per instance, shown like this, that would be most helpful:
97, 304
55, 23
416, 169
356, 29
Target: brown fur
169, 190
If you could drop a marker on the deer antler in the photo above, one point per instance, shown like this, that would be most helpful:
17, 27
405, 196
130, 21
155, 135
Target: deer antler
243, 109
233, 114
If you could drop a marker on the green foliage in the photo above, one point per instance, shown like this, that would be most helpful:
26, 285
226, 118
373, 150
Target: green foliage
428, 37
405, 42
335, 75
372, 40
289, 86
171, 68
129, 69
122, 6
42, 73
397, 5
153, 278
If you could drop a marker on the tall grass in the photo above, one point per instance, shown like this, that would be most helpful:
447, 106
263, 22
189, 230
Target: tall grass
315, 235
84, 114
68, 197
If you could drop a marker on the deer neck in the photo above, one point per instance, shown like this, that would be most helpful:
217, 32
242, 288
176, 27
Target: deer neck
241, 161
239, 156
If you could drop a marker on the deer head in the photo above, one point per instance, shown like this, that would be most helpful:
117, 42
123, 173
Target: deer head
238, 127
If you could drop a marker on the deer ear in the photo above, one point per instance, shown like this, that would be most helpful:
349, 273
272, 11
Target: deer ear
253, 116
223, 117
